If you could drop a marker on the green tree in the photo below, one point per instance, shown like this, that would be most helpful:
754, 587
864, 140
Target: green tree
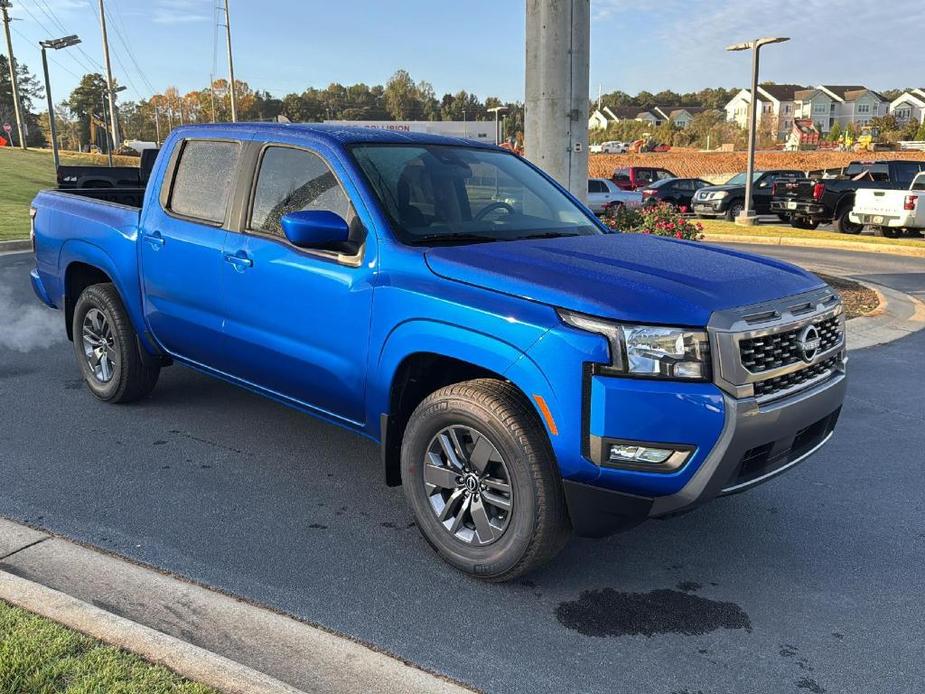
835, 133
401, 96
86, 103
920, 133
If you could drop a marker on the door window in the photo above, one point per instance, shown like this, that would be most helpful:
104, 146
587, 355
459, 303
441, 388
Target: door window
596, 187
292, 180
204, 178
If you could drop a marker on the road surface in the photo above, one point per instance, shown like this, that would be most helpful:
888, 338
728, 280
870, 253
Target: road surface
810, 583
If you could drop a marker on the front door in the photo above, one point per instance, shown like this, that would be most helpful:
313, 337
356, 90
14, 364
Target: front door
298, 322
182, 244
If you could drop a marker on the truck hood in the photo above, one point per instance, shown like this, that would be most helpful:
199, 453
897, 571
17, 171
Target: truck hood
728, 187
627, 277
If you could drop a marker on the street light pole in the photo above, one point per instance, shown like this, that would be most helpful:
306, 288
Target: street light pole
54, 44
748, 216
496, 110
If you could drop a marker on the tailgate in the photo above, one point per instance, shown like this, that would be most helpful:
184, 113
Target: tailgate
879, 202
800, 190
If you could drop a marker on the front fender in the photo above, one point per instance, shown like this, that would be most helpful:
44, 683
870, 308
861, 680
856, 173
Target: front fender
479, 349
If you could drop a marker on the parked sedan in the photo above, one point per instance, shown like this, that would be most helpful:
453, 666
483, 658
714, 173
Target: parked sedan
604, 193
675, 191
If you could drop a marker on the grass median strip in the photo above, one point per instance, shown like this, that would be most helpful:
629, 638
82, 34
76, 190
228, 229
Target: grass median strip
38, 655
718, 227
25, 173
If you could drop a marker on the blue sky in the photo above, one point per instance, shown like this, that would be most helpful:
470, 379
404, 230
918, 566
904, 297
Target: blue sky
478, 45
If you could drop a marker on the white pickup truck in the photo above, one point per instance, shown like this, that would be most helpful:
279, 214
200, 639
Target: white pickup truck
892, 213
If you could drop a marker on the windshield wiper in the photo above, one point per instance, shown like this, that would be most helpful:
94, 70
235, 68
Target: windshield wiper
545, 235
437, 239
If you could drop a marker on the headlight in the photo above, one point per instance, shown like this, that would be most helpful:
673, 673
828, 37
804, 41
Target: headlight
717, 195
648, 350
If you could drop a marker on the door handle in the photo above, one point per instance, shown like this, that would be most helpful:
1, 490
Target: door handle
155, 240
239, 260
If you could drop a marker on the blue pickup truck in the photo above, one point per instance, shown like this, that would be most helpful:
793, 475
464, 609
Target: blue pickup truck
526, 372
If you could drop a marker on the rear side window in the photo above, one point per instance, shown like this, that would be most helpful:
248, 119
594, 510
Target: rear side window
292, 180
596, 187
204, 178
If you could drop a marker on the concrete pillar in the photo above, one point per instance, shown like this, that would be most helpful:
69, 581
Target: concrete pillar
558, 63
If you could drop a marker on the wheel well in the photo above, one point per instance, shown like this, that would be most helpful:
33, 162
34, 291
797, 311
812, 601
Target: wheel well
78, 277
418, 376
846, 201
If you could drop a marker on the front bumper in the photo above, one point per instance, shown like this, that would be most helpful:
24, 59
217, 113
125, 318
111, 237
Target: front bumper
711, 208
756, 442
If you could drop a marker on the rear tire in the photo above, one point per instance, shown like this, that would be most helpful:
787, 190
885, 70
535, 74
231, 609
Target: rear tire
107, 347
785, 218
887, 232
440, 467
800, 223
843, 225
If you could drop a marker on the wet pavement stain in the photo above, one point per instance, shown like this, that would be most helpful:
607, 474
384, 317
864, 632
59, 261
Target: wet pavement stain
609, 612
689, 586
810, 685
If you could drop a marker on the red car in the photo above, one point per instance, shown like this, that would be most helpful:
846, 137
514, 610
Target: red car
633, 177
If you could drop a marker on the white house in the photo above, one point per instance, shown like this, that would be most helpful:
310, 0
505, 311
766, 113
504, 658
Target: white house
681, 116
774, 99
845, 105
909, 106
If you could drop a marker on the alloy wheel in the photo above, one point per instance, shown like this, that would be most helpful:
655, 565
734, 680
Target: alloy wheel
99, 345
468, 485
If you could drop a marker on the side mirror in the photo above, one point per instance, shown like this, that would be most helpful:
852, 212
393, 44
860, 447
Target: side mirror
315, 229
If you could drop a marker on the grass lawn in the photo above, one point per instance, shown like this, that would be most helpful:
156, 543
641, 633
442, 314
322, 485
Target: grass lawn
40, 656
719, 227
25, 173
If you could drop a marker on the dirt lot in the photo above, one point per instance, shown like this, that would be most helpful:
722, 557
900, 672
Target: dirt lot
691, 162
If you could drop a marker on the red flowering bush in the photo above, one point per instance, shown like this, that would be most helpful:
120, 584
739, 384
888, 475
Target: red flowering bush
660, 220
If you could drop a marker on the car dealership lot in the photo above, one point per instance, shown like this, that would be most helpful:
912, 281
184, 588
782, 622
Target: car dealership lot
808, 583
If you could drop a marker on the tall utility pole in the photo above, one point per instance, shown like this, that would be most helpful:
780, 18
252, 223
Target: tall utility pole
556, 114
113, 119
54, 44
4, 6
157, 127
234, 101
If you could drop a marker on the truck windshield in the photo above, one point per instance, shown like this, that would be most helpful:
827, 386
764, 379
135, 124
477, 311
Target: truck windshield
444, 194
739, 179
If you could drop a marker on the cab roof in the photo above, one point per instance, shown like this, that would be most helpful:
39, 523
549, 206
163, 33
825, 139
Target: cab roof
332, 134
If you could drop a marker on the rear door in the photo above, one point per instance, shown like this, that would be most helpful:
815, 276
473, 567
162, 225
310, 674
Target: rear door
182, 243
299, 319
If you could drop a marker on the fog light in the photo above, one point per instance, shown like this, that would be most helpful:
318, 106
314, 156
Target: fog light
639, 455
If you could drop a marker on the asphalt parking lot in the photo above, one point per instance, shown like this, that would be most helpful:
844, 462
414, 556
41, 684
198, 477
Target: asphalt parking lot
810, 583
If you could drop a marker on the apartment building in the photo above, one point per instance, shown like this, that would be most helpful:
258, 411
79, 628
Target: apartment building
909, 106
775, 101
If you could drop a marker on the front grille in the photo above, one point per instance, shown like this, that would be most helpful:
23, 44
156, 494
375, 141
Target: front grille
773, 386
773, 351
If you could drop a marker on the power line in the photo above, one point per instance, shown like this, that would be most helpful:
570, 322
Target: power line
121, 33
50, 13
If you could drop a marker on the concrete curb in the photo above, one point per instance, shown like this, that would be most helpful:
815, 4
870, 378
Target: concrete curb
204, 635
898, 316
192, 662
891, 249
13, 246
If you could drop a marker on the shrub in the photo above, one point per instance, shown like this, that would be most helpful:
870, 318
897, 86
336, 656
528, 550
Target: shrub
659, 220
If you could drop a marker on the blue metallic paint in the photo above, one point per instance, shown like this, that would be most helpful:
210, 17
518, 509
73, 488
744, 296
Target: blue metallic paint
329, 338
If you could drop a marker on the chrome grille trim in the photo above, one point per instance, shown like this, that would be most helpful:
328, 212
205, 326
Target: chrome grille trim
780, 323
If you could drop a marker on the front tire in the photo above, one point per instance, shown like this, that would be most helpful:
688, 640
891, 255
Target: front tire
736, 207
482, 482
107, 347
